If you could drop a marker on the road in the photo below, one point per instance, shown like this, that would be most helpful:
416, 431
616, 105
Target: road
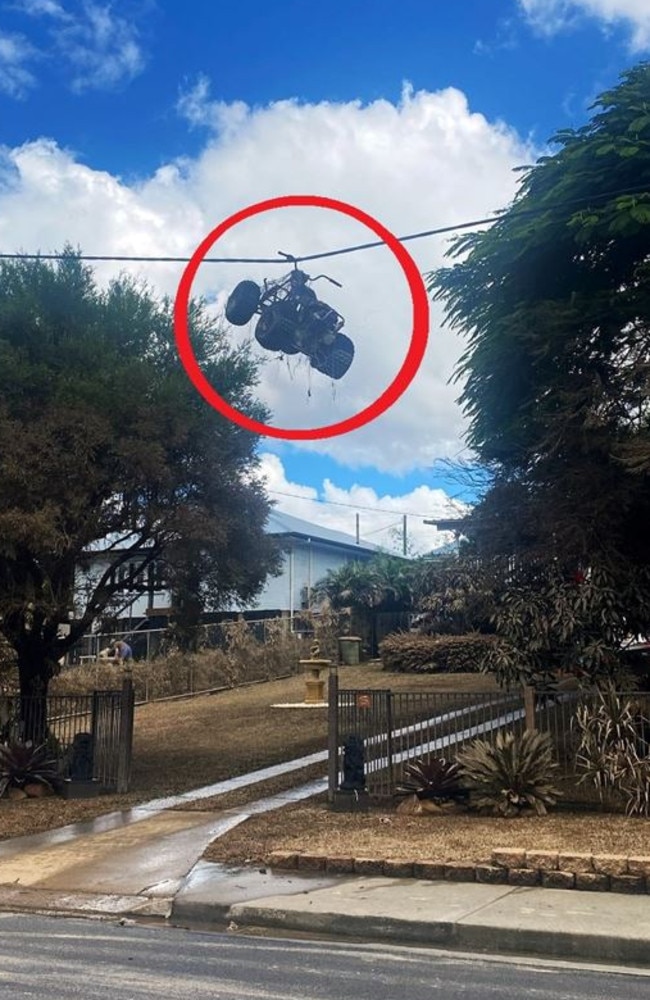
49, 958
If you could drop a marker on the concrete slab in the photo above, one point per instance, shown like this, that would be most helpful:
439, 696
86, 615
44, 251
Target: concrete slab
382, 908
210, 890
15, 900
607, 927
122, 860
471, 917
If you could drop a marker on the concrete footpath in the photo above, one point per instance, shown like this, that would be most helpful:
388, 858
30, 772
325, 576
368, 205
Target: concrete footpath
145, 864
603, 927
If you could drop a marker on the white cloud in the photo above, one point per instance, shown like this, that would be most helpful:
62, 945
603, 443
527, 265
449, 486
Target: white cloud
380, 517
48, 8
424, 162
98, 48
15, 53
551, 16
102, 49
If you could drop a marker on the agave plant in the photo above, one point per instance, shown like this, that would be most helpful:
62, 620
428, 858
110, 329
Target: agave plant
24, 764
511, 776
434, 780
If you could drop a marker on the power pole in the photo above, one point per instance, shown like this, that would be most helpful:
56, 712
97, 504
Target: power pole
357, 521
404, 542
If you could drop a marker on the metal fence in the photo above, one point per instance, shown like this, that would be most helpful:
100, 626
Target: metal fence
398, 726
90, 735
149, 643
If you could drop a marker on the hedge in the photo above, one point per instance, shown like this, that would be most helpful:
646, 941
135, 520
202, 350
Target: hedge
405, 652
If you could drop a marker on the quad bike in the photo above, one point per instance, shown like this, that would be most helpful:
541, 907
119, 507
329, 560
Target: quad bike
294, 321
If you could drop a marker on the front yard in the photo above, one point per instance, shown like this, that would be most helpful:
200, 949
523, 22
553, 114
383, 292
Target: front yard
186, 744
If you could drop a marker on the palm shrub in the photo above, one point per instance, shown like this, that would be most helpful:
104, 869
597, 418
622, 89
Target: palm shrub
24, 764
434, 780
513, 775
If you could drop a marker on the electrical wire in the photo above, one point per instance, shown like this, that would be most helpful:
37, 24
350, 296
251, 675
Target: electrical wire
284, 258
352, 506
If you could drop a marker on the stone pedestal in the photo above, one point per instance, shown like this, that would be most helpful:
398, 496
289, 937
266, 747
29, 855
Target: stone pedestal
314, 683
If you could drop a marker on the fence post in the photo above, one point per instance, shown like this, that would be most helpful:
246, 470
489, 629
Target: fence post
529, 706
125, 744
332, 733
389, 740
94, 731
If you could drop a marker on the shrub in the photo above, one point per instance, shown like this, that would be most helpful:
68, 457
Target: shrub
613, 750
434, 780
24, 764
8, 668
405, 652
242, 658
511, 776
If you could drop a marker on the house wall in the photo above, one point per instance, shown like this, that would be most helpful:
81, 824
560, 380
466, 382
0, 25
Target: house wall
303, 565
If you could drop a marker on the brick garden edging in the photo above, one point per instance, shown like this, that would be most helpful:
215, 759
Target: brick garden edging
509, 866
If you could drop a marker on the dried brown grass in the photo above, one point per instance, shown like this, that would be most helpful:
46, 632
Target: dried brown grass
381, 833
180, 745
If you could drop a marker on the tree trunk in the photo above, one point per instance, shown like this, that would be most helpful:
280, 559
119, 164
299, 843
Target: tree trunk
34, 671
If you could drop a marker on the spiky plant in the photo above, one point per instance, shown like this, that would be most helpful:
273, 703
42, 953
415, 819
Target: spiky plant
613, 752
24, 764
511, 776
435, 780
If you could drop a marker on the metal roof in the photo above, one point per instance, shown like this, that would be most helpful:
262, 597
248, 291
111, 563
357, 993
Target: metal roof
280, 523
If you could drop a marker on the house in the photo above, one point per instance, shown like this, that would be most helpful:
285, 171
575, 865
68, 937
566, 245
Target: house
309, 551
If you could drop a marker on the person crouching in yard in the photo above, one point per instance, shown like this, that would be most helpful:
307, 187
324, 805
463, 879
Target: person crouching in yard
122, 651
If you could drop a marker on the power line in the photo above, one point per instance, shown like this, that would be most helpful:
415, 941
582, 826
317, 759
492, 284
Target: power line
386, 527
284, 258
352, 506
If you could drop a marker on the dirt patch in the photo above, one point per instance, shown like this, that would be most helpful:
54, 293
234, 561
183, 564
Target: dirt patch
27, 816
381, 833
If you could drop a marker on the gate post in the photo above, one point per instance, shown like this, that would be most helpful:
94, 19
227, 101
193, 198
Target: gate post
389, 741
529, 706
332, 733
125, 744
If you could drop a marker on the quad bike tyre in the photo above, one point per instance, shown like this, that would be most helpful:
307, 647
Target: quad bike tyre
334, 361
242, 303
275, 329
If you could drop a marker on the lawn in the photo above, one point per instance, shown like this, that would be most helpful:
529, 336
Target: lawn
188, 743
185, 744
312, 828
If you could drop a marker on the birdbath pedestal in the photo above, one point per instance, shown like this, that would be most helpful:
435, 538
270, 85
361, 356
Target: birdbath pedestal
314, 683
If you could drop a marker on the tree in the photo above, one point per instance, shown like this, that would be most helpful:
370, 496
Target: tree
555, 300
457, 596
383, 583
104, 443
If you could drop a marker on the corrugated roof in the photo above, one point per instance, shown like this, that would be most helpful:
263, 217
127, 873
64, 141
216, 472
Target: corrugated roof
280, 523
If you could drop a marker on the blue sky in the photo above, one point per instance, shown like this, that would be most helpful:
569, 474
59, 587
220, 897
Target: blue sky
134, 127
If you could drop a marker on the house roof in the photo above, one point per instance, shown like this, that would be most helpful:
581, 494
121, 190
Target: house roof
280, 523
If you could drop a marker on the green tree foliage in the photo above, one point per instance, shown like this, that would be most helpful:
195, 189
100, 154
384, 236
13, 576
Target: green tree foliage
383, 583
456, 596
555, 301
102, 437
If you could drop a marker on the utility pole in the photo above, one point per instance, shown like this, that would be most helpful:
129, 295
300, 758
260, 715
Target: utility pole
404, 542
357, 522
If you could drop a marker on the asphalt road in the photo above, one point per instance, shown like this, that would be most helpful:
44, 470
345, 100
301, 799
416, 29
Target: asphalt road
49, 958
